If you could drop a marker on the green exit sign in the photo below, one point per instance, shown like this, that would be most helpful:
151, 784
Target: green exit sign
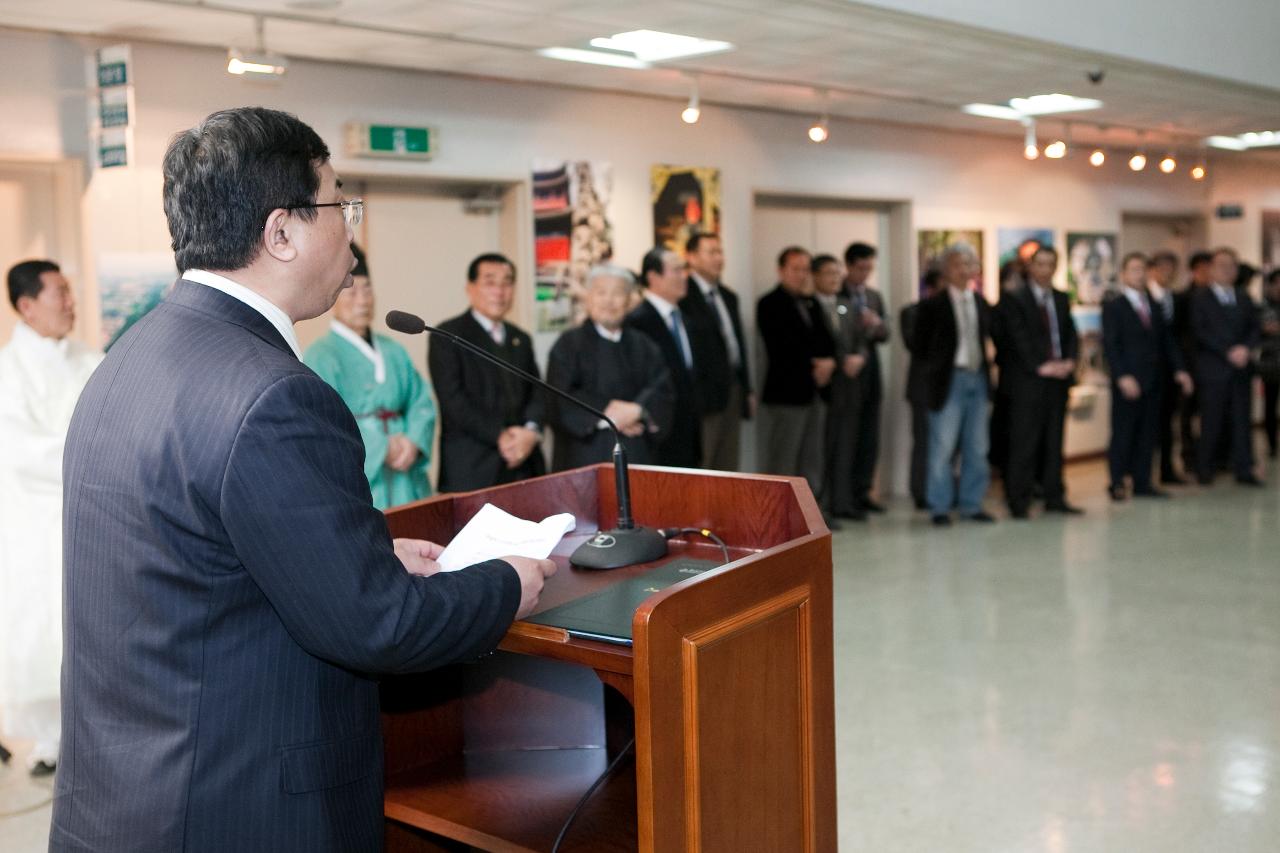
393, 141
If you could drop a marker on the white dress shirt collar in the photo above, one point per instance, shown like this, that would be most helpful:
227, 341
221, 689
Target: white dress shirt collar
496, 330
614, 336
1157, 291
371, 352
665, 308
268, 309
29, 339
705, 286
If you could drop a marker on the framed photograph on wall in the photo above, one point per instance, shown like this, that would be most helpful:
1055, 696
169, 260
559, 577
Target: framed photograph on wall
685, 199
930, 244
1091, 266
571, 234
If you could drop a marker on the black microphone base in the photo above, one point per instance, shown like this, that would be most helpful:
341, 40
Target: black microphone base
616, 549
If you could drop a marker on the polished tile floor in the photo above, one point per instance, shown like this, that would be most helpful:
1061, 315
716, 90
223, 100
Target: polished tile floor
1102, 683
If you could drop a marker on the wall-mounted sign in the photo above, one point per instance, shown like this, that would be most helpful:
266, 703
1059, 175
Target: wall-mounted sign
393, 141
109, 72
1229, 211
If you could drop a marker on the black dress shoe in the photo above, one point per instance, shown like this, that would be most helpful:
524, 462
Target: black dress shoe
831, 522
1249, 481
942, 521
1117, 493
1150, 493
852, 515
1064, 508
43, 768
1205, 481
980, 516
1173, 480
1019, 513
871, 506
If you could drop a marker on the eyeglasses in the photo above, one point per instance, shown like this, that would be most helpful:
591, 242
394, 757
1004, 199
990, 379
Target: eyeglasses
352, 209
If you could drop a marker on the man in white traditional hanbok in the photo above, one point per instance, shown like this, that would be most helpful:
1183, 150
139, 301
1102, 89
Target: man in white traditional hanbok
391, 402
42, 373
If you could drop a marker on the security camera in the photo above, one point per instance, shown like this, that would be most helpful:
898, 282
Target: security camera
1096, 76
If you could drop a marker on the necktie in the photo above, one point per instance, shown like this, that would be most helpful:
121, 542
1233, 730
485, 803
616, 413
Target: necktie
496, 334
677, 332
1143, 313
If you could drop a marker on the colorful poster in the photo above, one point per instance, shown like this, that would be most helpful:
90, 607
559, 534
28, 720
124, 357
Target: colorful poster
1021, 243
686, 199
1091, 369
1270, 241
130, 284
571, 234
931, 244
1091, 266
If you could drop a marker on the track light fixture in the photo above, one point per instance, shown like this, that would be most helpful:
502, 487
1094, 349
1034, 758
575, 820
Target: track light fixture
1138, 161
1030, 147
1198, 172
693, 111
1098, 157
820, 130
1168, 164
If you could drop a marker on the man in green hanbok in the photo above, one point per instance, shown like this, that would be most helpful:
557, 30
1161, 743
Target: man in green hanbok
376, 378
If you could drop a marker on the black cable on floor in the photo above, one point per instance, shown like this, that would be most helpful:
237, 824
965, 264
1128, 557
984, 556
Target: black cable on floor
573, 815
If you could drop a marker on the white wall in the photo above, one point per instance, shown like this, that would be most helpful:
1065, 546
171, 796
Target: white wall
494, 130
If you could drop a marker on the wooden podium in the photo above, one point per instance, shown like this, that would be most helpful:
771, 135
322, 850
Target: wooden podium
727, 689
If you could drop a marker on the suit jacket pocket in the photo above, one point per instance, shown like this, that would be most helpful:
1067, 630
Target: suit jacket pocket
328, 765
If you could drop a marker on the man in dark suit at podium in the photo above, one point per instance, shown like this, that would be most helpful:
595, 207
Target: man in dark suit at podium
659, 318
490, 421
231, 593
1224, 322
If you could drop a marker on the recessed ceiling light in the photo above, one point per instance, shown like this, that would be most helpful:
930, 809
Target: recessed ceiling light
592, 57
992, 111
1245, 141
654, 46
1039, 105
1036, 105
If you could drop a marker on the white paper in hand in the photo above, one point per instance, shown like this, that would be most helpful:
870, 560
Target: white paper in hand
492, 533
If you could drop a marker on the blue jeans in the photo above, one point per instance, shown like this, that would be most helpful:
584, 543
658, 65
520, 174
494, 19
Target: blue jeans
960, 425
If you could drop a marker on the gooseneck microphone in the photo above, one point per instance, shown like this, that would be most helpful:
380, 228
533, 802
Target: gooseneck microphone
625, 545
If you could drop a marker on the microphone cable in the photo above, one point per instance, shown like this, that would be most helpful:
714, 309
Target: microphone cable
674, 532
573, 815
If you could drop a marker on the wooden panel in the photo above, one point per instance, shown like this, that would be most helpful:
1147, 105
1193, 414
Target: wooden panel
775, 607
767, 649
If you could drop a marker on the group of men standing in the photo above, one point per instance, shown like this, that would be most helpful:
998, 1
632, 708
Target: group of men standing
1167, 355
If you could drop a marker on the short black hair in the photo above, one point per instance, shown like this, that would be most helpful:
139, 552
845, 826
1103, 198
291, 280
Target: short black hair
654, 260
473, 268
1045, 248
1124, 262
695, 240
931, 279
223, 177
1164, 256
857, 252
24, 279
1245, 273
821, 261
785, 254
1199, 259
1273, 277
362, 263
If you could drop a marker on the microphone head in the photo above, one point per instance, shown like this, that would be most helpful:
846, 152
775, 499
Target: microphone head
403, 321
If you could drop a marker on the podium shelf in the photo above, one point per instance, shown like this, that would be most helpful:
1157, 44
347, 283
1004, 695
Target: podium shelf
516, 801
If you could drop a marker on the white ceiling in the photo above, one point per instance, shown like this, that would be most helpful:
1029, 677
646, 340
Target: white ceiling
800, 56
